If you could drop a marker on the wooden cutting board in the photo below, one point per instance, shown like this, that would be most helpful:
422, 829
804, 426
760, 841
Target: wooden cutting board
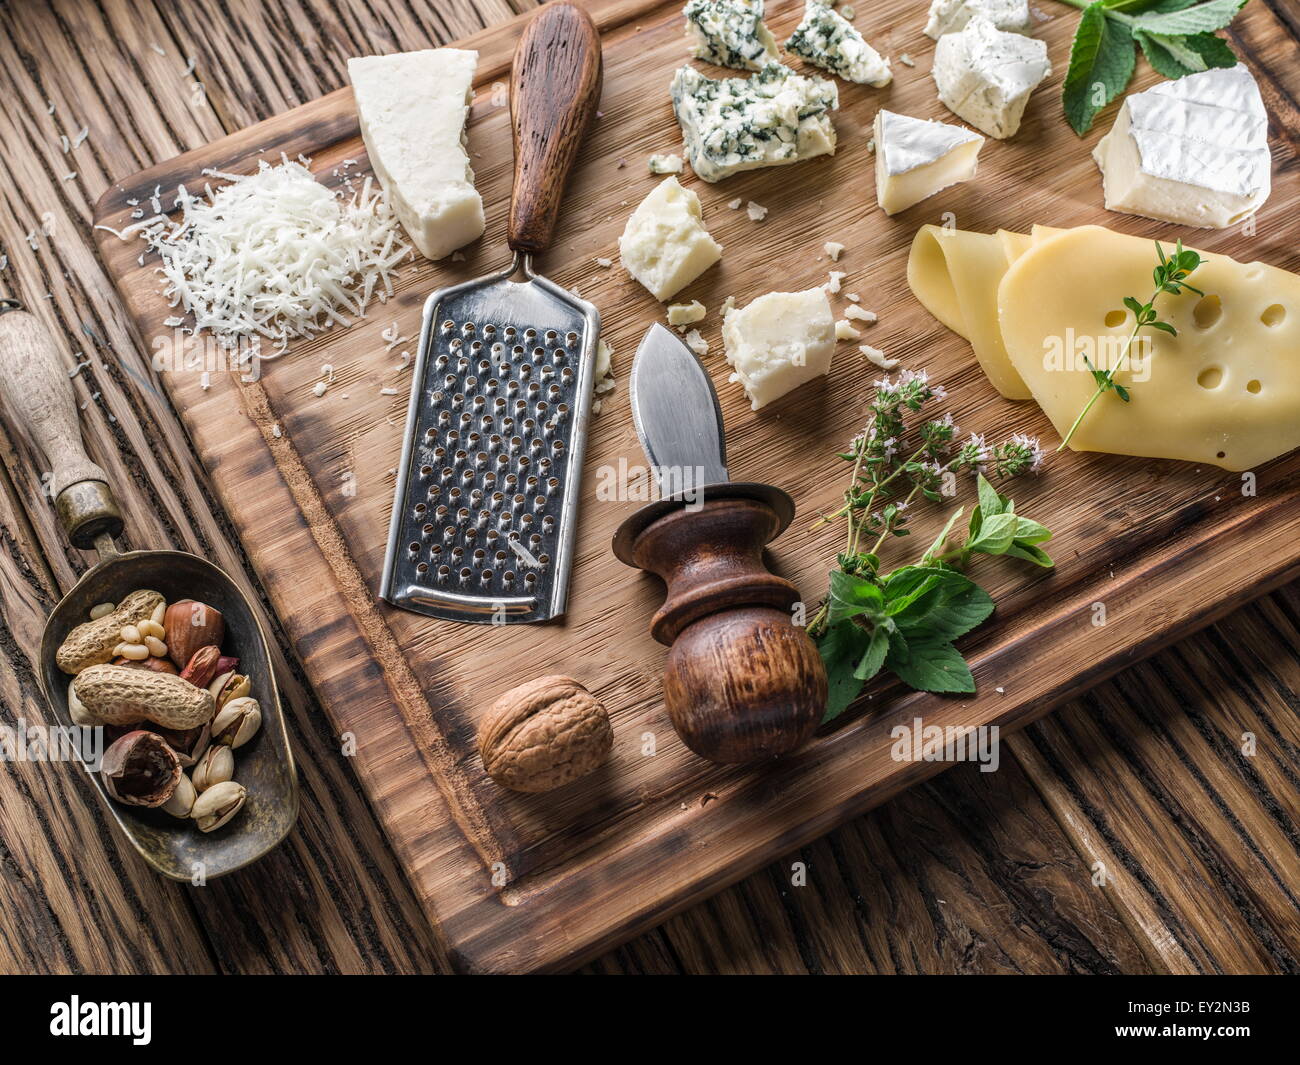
519, 882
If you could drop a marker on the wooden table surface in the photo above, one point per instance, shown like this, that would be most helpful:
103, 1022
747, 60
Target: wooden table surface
1128, 832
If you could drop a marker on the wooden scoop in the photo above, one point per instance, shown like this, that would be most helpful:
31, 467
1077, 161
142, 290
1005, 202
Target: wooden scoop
39, 392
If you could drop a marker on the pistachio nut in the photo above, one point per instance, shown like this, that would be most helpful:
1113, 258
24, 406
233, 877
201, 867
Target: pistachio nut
215, 767
237, 722
189, 744
216, 806
182, 800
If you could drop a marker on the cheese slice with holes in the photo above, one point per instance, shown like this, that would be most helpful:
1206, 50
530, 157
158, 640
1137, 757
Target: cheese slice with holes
1225, 391
412, 107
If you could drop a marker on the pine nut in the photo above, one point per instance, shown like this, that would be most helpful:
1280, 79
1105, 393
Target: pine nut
149, 628
156, 647
136, 652
131, 634
159, 612
102, 610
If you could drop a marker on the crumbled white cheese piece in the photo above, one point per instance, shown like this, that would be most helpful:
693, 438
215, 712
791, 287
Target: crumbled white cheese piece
81, 136
727, 304
848, 11
680, 314
604, 263
276, 431
871, 145
737, 203
836, 276
70, 175
852, 297
906, 59
697, 343
391, 336
859, 314
604, 373
388, 392
319, 387
668, 163
158, 48
834, 249
844, 331
878, 357
756, 212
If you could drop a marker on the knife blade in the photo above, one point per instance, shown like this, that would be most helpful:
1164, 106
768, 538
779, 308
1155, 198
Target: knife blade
676, 413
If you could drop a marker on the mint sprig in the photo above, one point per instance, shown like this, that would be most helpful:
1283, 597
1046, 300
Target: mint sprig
904, 621
1176, 36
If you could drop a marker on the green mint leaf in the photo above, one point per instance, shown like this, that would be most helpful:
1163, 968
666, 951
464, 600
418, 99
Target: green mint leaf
1168, 56
962, 606
915, 595
1199, 18
938, 542
990, 502
996, 535
1102, 59
874, 656
932, 665
1030, 553
851, 596
1029, 531
841, 647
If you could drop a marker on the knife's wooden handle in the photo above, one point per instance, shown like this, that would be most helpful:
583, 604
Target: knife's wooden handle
742, 682
554, 90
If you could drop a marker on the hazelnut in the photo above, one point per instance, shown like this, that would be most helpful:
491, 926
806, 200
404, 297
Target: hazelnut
189, 625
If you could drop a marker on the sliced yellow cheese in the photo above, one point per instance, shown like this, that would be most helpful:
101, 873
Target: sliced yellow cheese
1225, 391
955, 275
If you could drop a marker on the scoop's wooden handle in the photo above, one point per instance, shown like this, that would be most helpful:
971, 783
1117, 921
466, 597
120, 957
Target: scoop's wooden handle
39, 391
554, 90
742, 682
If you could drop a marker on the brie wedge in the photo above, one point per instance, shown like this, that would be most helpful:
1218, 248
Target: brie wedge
951, 16
778, 342
1192, 151
412, 107
985, 75
773, 117
915, 158
828, 40
730, 33
665, 245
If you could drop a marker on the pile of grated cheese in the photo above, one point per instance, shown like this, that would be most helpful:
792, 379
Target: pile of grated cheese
275, 254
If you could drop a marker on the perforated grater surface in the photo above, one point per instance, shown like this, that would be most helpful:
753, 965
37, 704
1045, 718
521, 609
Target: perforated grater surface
487, 489
486, 504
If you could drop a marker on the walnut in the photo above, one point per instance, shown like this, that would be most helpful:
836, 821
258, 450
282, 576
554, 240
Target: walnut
544, 734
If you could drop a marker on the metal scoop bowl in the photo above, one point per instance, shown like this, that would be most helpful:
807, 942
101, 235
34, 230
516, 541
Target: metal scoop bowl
40, 394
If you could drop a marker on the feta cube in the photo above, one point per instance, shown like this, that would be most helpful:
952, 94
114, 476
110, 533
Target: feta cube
778, 342
665, 245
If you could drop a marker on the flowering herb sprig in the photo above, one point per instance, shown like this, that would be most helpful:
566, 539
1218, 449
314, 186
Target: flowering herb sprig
905, 620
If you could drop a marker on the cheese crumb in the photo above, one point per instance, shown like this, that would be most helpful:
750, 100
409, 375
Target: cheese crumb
852, 297
737, 203
697, 343
836, 276
727, 305
844, 330
859, 314
906, 59
875, 355
604, 263
756, 212
665, 164
834, 249
680, 314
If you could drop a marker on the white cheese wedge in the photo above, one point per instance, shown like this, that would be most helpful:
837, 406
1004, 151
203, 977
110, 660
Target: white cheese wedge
772, 118
665, 245
1192, 151
985, 75
730, 33
916, 158
951, 16
412, 107
779, 342
827, 39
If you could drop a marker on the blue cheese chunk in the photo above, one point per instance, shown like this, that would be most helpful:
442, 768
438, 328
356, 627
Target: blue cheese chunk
985, 76
828, 40
734, 124
730, 33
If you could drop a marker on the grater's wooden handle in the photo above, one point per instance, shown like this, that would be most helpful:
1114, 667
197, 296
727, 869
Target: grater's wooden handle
35, 382
742, 682
554, 90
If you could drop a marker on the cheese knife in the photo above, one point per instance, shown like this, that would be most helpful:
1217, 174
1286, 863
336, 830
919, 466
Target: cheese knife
742, 681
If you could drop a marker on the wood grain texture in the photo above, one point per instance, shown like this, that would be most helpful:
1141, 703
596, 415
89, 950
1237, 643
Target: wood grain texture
276, 450
967, 874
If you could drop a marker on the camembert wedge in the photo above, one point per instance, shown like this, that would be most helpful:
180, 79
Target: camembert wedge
915, 158
412, 107
1192, 151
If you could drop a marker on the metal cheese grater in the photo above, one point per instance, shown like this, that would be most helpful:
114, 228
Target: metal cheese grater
487, 490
